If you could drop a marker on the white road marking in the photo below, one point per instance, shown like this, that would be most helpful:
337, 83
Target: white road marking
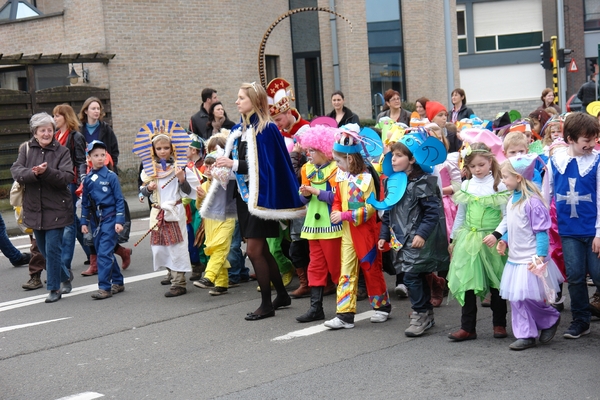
12, 328
83, 396
28, 301
319, 328
26, 246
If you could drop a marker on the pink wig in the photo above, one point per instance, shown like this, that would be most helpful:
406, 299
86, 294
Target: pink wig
320, 137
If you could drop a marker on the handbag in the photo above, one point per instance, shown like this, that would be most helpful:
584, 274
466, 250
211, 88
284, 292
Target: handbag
16, 194
16, 191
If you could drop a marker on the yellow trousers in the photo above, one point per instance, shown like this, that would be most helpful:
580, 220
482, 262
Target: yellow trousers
217, 242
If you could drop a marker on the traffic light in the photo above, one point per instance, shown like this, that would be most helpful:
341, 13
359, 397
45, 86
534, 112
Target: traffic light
546, 55
564, 57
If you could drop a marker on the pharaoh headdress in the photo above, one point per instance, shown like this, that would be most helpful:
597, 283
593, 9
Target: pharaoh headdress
153, 130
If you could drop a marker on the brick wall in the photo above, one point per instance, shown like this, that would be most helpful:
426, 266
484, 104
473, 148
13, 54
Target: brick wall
425, 49
488, 111
574, 40
353, 51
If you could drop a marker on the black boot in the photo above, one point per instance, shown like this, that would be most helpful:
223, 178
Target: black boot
315, 312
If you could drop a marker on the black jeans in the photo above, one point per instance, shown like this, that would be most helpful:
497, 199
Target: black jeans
468, 320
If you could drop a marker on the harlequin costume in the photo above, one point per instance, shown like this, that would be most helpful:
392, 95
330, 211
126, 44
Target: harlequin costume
360, 232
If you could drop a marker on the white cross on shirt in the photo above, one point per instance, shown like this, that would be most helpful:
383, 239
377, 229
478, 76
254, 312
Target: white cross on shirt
573, 197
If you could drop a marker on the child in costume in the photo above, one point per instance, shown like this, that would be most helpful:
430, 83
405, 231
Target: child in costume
414, 225
195, 155
167, 183
324, 237
218, 215
106, 217
573, 179
476, 267
528, 222
359, 233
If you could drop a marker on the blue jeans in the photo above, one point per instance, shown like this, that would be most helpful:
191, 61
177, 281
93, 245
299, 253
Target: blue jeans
419, 291
6, 246
49, 242
579, 261
238, 270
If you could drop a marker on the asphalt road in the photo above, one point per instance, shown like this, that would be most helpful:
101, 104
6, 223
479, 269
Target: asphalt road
140, 344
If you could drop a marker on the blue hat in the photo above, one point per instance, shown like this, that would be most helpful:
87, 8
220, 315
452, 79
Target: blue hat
95, 144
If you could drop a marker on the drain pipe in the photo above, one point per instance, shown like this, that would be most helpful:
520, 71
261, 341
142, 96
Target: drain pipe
449, 63
334, 47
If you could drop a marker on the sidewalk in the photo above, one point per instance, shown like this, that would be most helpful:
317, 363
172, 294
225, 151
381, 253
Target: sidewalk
136, 209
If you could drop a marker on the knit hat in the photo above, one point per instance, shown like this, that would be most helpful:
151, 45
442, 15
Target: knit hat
433, 108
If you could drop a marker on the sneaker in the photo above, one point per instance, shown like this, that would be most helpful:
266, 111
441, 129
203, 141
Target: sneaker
380, 316
401, 291
217, 291
577, 330
595, 304
66, 287
548, 334
114, 289
233, 284
522, 344
287, 278
559, 303
204, 283
337, 323
101, 295
54, 296
419, 323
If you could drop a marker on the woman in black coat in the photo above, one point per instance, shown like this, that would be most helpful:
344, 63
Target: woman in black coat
342, 115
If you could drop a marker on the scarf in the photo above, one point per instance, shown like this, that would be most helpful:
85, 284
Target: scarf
217, 124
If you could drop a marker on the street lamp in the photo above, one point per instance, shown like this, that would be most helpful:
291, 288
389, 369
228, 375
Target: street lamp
73, 77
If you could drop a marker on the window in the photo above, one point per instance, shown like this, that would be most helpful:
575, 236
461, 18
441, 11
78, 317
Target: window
17, 9
271, 67
493, 33
592, 15
461, 30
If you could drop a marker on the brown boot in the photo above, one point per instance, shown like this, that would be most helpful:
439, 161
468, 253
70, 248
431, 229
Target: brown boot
34, 282
436, 285
197, 270
331, 288
93, 269
125, 254
303, 290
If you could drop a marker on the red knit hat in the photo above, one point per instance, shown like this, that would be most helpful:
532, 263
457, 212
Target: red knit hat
433, 108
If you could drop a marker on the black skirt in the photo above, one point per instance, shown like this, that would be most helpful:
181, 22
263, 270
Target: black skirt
251, 226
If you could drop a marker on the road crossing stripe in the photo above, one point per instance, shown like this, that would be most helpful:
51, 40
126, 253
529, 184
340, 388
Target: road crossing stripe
319, 328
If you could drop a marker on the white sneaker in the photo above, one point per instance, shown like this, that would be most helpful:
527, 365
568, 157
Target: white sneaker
380, 316
401, 291
337, 323
419, 323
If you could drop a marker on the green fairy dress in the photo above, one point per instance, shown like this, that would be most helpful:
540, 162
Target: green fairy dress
475, 266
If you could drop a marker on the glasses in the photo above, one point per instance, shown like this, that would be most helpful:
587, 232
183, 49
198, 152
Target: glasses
395, 99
